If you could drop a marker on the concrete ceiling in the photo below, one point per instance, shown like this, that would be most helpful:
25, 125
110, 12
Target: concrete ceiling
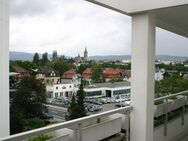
174, 19
172, 15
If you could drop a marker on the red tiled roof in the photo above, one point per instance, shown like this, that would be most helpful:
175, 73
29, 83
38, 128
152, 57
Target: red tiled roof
88, 71
71, 71
112, 71
69, 74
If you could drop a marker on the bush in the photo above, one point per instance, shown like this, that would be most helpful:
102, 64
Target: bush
33, 123
41, 138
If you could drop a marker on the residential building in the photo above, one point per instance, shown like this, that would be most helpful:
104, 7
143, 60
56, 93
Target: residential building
21, 71
87, 74
59, 90
69, 74
48, 76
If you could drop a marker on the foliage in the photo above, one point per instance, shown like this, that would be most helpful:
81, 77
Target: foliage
36, 58
24, 64
76, 108
61, 66
116, 80
97, 73
170, 85
81, 68
44, 59
41, 138
27, 103
80, 101
72, 109
33, 123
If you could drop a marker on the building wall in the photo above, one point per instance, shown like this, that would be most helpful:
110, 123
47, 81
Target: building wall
4, 65
60, 90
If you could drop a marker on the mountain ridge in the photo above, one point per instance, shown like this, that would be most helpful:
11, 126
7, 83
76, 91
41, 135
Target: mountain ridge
29, 56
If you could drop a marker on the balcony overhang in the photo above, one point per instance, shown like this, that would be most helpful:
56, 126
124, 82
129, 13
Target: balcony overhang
170, 14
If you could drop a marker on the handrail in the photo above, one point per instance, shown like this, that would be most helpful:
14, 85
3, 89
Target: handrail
58, 126
170, 96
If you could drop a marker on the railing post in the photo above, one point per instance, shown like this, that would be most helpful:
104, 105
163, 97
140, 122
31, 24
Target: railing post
166, 118
183, 111
79, 132
128, 126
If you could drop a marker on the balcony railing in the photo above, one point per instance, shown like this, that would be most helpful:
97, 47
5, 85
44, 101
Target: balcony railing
76, 122
180, 103
173, 103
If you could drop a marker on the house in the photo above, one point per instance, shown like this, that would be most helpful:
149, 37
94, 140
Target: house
48, 75
159, 74
87, 74
111, 73
60, 90
21, 72
69, 74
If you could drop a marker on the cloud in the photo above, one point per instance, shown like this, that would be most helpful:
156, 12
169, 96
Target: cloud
69, 25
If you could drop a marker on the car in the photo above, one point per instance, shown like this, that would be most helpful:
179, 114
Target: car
47, 115
103, 100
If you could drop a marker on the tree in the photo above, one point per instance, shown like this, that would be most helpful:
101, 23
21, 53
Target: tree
76, 108
80, 101
97, 73
27, 103
72, 113
81, 69
36, 58
61, 66
44, 58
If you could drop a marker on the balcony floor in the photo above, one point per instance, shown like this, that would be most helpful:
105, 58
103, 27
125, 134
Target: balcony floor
185, 138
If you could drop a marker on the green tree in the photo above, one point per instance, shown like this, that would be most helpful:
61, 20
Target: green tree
44, 59
80, 101
61, 66
72, 109
81, 68
36, 58
76, 108
97, 73
27, 103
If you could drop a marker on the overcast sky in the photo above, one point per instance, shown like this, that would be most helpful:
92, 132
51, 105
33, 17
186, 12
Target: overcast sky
69, 26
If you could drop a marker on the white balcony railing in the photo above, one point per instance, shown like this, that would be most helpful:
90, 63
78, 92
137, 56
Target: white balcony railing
76, 122
180, 102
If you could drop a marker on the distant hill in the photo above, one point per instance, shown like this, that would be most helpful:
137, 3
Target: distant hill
128, 57
29, 57
23, 56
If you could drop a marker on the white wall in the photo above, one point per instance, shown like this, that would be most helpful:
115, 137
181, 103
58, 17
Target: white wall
61, 88
4, 65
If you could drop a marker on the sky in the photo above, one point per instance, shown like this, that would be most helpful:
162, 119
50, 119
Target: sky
68, 26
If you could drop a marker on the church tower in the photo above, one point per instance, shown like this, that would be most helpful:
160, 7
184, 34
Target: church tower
85, 54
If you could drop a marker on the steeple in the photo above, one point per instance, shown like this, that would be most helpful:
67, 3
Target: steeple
85, 53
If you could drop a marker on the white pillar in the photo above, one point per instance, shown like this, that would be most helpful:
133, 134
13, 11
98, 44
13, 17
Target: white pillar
142, 77
4, 68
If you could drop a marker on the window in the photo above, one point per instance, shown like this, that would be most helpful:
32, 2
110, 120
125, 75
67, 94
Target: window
63, 87
56, 94
70, 86
94, 93
56, 88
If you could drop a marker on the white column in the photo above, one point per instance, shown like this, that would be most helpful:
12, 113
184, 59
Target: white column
142, 80
4, 68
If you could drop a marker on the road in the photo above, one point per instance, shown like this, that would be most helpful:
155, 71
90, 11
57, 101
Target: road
57, 112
